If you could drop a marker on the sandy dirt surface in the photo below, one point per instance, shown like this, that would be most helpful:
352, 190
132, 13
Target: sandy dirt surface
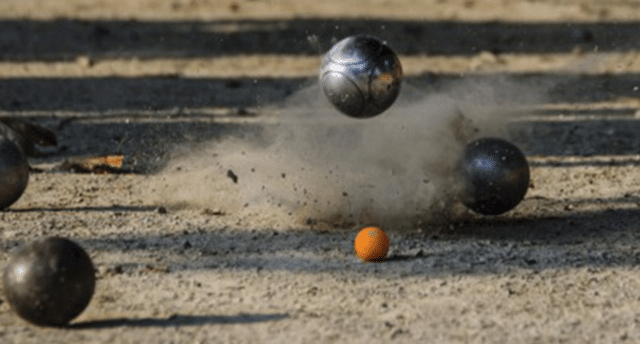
233, 217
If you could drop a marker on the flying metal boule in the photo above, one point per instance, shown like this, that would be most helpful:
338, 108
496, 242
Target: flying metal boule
360, 75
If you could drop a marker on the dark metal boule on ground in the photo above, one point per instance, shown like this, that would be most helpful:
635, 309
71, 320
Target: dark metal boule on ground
14, 172
494, 175
49, 281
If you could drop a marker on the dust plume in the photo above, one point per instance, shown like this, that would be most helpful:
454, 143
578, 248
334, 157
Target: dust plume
315, 165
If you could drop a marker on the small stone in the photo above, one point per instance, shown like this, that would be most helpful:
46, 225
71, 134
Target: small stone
85, 61
233, 176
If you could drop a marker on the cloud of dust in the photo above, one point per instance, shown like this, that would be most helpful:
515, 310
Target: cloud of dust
317, 166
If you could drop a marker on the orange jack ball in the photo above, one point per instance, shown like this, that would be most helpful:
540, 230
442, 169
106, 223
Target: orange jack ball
372, 244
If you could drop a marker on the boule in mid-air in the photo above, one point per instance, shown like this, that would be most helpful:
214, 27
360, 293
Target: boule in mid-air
361, 76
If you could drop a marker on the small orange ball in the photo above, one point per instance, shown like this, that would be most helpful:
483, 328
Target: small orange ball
372, 244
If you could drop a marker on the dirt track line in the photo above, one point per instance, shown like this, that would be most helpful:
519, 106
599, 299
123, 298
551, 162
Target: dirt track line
425, 9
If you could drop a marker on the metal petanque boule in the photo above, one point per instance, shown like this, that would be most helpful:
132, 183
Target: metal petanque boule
49, 281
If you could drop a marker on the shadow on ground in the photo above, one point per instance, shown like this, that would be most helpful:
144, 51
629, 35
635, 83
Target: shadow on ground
66, 39
83, 97
177, 320
145, 118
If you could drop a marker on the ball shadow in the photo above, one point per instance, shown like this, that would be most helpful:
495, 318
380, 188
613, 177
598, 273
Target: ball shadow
178, 320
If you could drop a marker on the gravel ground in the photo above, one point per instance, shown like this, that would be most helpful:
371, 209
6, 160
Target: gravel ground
211, 102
